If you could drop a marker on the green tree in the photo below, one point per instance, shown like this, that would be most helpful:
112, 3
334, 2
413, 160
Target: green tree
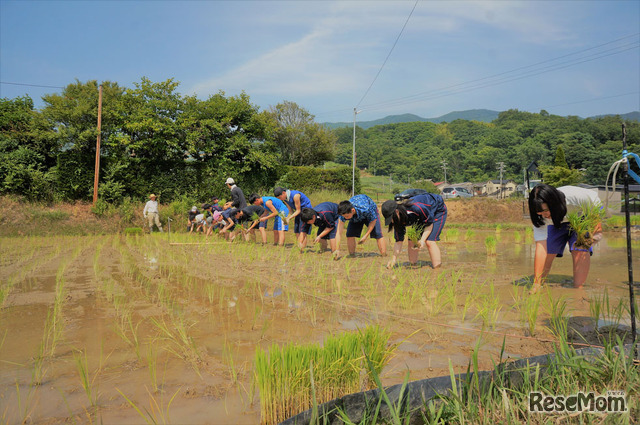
28, 151
560, 176
74, 115
560, 160
300, 140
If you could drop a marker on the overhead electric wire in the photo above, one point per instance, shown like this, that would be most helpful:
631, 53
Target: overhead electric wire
453, 89
393, 101
592, 100
534, 69
31, 85
388, 55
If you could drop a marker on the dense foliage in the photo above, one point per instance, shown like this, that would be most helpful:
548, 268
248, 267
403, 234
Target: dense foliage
153, 140
156, 140
472, 149
309, 179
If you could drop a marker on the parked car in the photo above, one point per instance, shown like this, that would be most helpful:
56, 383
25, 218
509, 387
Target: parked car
409, 193
456, 192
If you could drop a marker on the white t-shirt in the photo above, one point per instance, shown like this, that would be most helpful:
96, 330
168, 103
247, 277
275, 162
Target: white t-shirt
575, 197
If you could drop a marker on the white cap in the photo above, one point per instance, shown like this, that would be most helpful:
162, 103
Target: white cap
230, 181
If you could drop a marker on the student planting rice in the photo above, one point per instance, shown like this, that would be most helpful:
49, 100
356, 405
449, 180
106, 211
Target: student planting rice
426, 214
229, 222
250, 216
276, 209
296, 201
325, 216
360, 210
549, 208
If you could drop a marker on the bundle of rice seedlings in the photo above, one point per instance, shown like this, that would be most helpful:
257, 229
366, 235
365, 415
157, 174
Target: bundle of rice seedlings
585, 222
291, 377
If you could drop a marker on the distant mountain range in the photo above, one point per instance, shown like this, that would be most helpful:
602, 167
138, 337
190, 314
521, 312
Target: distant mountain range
483, 115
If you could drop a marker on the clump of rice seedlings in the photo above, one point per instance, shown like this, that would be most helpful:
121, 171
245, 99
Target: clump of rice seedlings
283, 374
598, 305
559, 320
124, 328
490, 242
181, 344
585, 222
530, 308
158, 412
517, 236
210, 292
489, 308
152, 366
88, 383
414, 232
470, 234
451, 235
471, 297
528, 234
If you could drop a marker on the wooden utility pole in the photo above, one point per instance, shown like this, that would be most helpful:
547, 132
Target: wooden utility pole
97, 171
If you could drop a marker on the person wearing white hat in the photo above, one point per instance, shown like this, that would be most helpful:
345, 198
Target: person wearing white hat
151, 213
237, 195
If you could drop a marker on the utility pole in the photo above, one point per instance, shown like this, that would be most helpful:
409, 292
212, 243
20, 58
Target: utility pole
444, 167
501, 169
97, 171
353, 155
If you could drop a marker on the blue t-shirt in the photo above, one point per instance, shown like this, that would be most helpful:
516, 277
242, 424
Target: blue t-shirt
277, 203
304, 200
366, 209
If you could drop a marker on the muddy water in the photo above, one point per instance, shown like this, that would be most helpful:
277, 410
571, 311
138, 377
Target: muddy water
172, 329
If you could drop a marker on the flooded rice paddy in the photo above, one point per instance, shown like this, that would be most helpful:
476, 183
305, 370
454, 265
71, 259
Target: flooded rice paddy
133, 329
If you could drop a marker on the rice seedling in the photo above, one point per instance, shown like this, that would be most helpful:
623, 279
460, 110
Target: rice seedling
490, 243
182, 345
469, 234
283, 374
471, 297
124, 328
152, 366
529, 312
585, 223
517, 236
489, 307
157, 413
559, 320
414, 232
452, 235
528, 234
88, 383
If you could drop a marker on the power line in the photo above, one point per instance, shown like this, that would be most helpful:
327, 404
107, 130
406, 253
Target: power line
592, 100
31, 85
388, 55
532, 71
529, 71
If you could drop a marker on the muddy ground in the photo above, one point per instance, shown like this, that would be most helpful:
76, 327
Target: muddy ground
170, 325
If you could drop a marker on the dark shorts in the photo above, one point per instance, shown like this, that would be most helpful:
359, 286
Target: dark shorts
299, 226
438, 224
354, 229
331, 234
557, 239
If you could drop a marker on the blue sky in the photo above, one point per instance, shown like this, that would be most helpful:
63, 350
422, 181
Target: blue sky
567, 57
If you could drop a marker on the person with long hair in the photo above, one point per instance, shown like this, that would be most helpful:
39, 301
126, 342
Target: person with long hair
427, 215
548, 208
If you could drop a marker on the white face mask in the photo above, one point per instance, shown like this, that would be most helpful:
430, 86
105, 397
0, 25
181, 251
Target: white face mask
288, 192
